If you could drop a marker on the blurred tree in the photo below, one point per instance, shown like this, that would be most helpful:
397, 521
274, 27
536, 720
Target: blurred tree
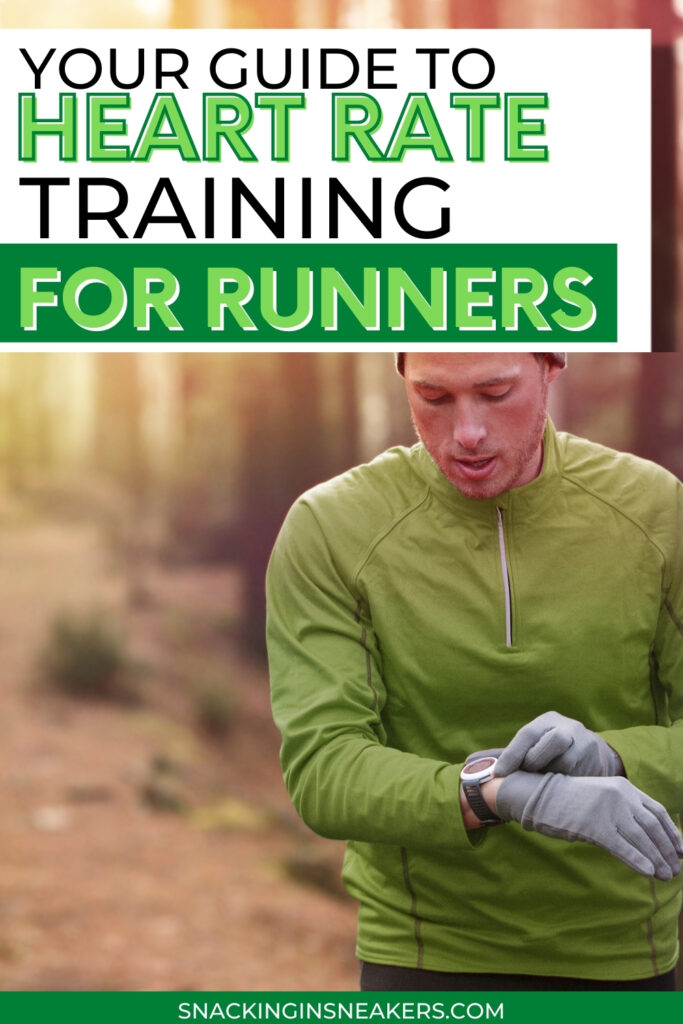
12, 431
594, 397
183, 14
27, 426
474, 13
629, 401
661, 18
334, 13
118, 435
38, 424
188, 373
263, 14
120, 452
384, 414
283, 453
203, 508
299, 424
348, 430
658, 431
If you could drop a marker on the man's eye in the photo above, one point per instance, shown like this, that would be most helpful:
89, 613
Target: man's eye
434, 399
496, 397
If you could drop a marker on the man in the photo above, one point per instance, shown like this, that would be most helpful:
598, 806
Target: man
505, 589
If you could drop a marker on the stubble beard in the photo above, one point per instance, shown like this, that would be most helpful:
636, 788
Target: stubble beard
519, 460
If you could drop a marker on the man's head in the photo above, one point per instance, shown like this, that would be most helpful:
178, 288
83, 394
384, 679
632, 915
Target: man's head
557, 358
481, 416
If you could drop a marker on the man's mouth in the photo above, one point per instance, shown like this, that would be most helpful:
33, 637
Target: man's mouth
476, 469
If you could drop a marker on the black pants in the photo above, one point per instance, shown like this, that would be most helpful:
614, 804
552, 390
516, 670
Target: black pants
383, 978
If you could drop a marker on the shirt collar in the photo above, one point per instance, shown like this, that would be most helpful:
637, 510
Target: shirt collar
526, 501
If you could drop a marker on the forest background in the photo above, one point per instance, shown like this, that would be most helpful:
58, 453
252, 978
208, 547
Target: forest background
146, 840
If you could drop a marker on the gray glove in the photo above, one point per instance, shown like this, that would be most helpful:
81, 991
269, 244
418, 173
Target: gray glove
610, 813
553, 743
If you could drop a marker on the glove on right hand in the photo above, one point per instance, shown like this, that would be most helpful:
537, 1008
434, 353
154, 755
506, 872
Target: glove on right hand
608, 812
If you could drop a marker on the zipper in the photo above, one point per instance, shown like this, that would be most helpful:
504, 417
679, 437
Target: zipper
506, 579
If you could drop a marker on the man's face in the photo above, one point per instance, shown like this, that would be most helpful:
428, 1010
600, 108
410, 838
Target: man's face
481, 416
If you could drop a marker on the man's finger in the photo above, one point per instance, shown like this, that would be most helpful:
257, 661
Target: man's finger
513, 755
640, 840
625, 851
549, 748
655, 829
667, 824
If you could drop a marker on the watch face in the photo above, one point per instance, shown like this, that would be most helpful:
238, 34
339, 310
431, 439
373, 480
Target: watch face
478, 766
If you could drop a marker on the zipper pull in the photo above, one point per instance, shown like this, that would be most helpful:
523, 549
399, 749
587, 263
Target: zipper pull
506, 578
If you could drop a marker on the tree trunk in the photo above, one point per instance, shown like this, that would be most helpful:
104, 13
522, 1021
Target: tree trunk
118, 441
658, 432
348, 432
665, 26
474, 13
283, 453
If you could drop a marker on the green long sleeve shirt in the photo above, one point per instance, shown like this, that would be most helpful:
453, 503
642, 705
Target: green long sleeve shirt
409, 625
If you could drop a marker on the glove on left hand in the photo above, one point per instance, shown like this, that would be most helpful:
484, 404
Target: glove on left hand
554, 743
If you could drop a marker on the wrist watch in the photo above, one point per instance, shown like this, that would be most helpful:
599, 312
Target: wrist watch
472, 777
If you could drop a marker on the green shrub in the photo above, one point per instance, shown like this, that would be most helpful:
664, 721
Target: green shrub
86, 657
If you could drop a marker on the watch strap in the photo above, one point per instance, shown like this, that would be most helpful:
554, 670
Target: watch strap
473, 795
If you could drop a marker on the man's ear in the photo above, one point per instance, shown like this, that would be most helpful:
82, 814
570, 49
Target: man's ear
554, 370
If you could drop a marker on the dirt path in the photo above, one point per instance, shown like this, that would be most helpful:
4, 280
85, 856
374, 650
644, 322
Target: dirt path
100, 889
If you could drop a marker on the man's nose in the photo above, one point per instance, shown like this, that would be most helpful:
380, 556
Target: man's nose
468, 429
